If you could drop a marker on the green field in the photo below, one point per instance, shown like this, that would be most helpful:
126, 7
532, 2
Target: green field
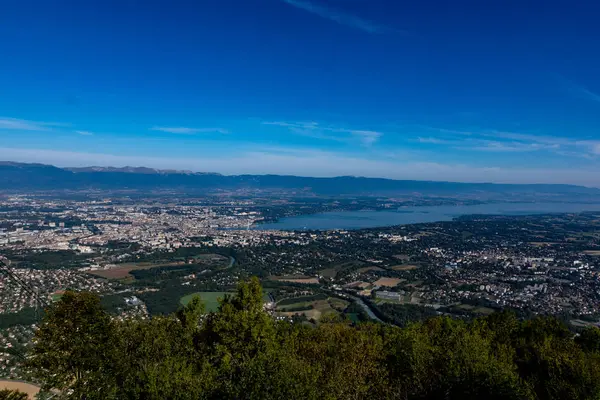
56, 296
316, 306
353, 317
210, 299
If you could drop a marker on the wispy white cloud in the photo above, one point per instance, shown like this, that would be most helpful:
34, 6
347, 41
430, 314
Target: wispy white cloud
579, 90
508, 147
317, 131
84, 133
478, 144
338, 16
495, 134
592, 146
502, 141
26, 125
180, 130
589, 94
367, 138
434, 140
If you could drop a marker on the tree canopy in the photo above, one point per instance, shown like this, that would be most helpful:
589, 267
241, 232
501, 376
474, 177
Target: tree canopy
7, 394
241, 352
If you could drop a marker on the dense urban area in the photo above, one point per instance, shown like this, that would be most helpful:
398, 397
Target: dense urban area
147, 257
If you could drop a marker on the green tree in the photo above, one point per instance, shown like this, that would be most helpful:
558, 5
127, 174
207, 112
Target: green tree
13, 395
589, 340
346, 360
240, 352
239, 340
552, 363
156, 359
450, 359
72, 348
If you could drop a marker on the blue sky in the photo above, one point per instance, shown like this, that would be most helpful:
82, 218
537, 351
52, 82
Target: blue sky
495, 91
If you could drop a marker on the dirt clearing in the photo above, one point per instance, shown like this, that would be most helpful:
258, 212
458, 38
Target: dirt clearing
25, 387
388, 282
123, 271
404, 267
301, 279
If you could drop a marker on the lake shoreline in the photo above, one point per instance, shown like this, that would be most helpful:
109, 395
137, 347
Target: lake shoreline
368, 219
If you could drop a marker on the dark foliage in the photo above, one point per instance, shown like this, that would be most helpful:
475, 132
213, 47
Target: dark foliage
240, 352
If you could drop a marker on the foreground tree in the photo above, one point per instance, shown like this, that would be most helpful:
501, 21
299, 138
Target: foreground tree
240, 342
73, 348
158, 359
449, 359
13, 395
240, 352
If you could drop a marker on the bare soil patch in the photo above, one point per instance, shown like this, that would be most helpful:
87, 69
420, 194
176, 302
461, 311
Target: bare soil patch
296, 279
367, 269
24, 387
123, 271
389, 282
404, 267
357, 284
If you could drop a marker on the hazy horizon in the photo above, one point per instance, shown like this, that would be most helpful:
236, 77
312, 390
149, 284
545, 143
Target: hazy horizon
117, 166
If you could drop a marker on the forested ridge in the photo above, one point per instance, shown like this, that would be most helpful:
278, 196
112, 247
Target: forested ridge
241, 352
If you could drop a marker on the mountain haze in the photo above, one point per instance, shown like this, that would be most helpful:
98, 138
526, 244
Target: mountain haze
35, 177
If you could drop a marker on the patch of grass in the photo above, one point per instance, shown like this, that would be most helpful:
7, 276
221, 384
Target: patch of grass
483, 310
303, 299
210, 299
56, 296
338, 304
329, 272
353, 317
314, 309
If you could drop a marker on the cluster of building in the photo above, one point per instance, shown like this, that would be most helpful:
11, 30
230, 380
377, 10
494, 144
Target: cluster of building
86, 226
26, 287
14, 342
543, 264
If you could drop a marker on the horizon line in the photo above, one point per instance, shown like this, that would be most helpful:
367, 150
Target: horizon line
190, 172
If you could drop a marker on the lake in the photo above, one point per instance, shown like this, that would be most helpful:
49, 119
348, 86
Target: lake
413, 215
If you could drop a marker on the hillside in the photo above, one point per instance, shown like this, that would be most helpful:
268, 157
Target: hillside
35, 177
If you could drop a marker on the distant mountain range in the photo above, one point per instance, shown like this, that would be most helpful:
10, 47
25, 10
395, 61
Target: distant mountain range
37, 177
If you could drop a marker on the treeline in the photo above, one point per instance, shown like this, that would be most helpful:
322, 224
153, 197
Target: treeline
402, 314
7, 394
240, 352
168, 272
25, 316
183, 253
302, 299
48, 259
